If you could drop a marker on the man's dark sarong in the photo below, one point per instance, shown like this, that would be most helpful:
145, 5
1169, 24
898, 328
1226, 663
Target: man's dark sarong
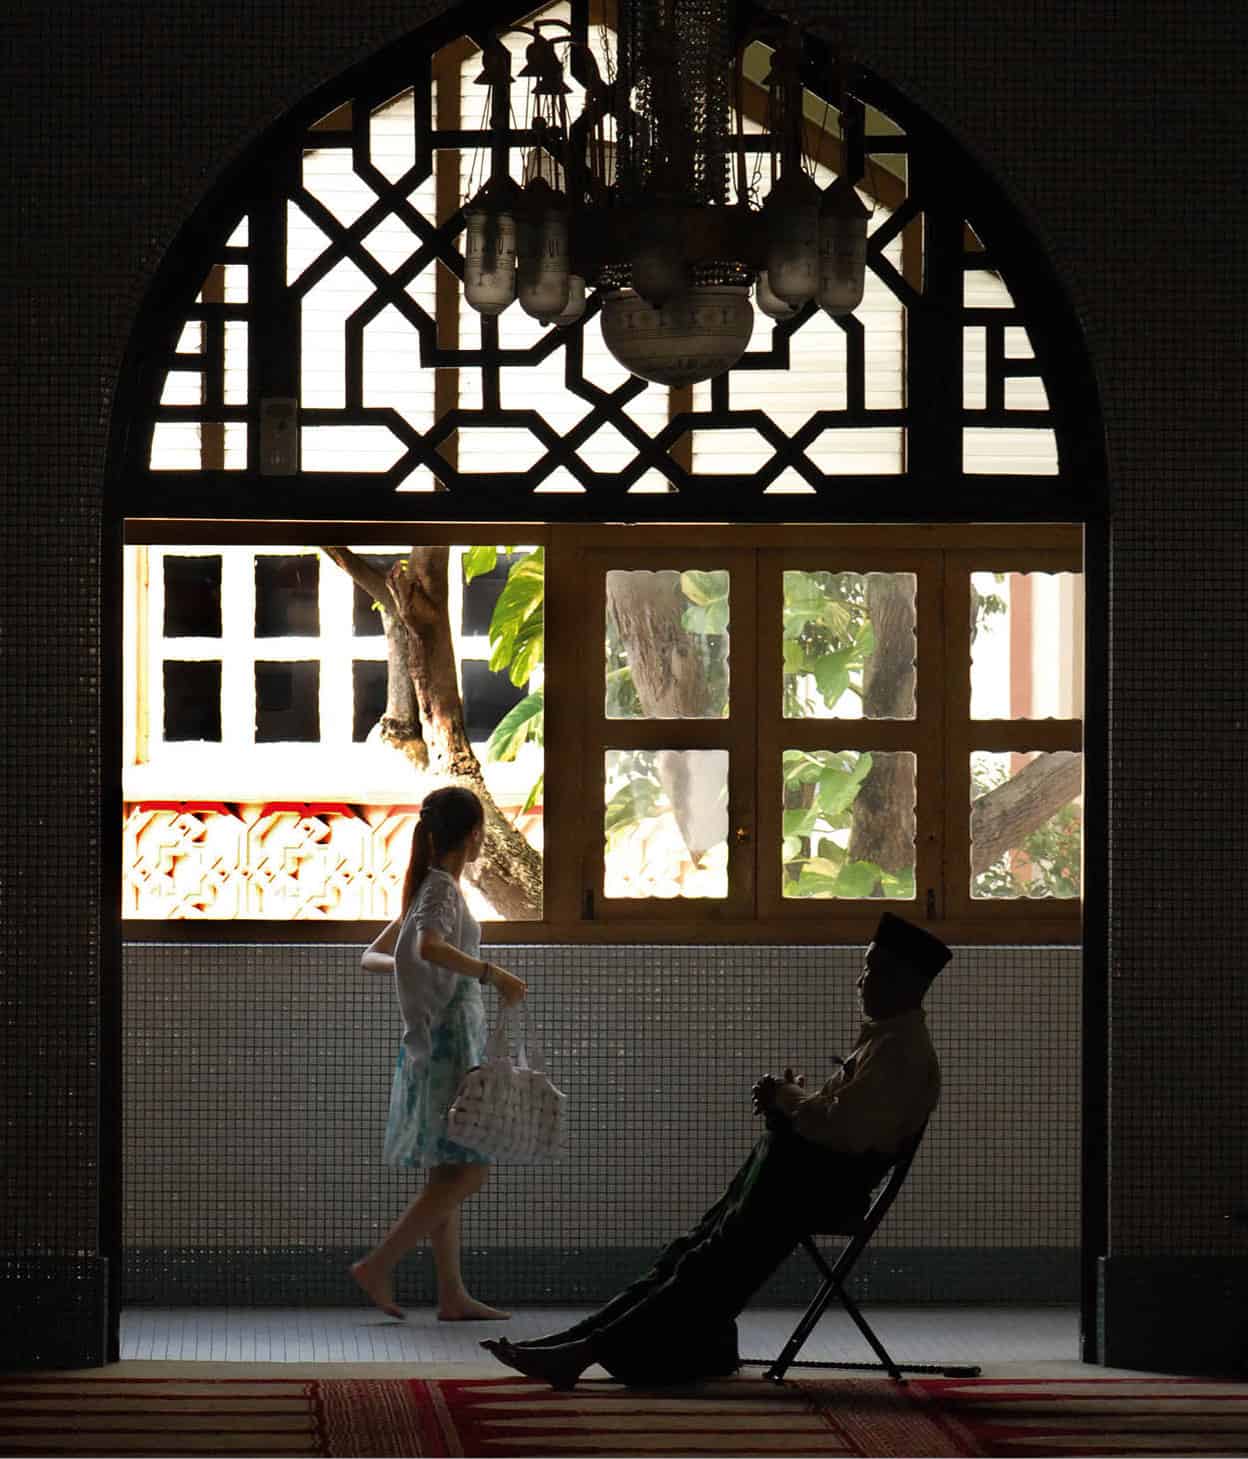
677, 1323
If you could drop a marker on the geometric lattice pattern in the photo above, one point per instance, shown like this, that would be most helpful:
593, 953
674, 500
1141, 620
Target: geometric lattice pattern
283, 860
335, 301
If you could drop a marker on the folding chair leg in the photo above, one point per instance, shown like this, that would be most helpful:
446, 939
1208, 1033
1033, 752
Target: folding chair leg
818, 1306
877, 1347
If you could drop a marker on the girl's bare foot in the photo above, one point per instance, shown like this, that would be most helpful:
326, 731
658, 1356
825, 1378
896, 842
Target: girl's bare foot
378, 1289
468, 1309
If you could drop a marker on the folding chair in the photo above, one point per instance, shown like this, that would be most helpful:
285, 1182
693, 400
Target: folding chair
834, 1278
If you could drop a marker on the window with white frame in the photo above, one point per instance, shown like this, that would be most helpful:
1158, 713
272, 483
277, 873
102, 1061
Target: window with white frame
257, 781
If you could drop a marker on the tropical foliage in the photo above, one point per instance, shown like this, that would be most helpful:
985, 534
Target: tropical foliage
517, 635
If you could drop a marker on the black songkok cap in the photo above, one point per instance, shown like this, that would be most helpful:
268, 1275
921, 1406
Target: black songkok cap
925, 954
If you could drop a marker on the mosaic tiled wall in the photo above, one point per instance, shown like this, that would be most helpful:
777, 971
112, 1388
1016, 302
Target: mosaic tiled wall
1114, 129
257, 1079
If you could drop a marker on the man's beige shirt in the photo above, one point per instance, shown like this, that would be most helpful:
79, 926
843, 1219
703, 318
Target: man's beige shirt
891, 1087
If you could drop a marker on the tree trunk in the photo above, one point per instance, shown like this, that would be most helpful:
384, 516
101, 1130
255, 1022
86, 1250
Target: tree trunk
508, 873
400, 723
1002, 817
420, 593
883, 817
668, 666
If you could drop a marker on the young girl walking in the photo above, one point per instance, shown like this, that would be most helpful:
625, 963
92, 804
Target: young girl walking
433, 949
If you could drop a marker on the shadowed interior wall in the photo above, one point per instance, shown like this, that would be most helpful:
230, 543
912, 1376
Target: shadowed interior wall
1114, 135
257, 1080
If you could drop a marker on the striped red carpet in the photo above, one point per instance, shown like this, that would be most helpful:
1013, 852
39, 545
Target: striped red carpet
89, 1416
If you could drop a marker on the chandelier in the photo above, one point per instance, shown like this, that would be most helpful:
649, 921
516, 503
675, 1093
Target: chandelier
631, 198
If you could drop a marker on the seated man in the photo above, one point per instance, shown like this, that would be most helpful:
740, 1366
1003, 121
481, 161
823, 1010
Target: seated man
812, 1170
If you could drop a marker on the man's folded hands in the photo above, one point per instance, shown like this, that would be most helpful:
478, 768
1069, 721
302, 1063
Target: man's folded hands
781, 1095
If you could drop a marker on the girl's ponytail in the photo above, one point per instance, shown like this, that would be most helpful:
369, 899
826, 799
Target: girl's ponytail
447, 818
418, 862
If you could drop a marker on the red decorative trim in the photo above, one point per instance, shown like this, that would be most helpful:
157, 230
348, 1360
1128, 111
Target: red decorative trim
308, 808
180, 805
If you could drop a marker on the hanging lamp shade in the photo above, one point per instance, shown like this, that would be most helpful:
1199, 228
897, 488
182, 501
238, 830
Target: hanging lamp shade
544, 265
575, 307
490, 250
769, 302
700, 333
791, 219
842, 249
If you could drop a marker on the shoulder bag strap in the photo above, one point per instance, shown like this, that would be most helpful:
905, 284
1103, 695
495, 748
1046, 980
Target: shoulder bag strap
503, 1040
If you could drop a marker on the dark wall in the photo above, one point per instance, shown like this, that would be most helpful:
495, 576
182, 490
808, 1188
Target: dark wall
1116, 129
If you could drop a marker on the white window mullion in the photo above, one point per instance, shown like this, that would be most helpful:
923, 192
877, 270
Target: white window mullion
238, 660
337, 593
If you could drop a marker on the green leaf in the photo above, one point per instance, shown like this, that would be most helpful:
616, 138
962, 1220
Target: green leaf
707, 594
857, 879
796, 659
521, 723
705, 588
528, 650
810, 885
801, 768
621, 695
535, 791
836, 617
479, 560
799, 823
898, 884
832, 675
839, 788
802, 594
791, 848
522, 596
711, 619
826, 865
631, 803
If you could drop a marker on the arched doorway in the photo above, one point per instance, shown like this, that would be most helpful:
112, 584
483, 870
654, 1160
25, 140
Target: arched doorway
315, 292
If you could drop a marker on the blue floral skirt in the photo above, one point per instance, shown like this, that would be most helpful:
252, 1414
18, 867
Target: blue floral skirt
422, 1090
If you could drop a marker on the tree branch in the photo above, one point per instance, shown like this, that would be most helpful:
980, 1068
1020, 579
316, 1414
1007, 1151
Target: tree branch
368, 579
1003, 816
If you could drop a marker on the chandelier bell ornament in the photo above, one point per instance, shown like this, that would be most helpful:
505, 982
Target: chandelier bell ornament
770, 303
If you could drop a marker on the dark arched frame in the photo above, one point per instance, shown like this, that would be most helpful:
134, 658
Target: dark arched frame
948, 187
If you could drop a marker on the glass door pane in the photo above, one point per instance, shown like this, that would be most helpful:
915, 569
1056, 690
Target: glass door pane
667, 644
665, 827
1026, 824
849, 645
848, 827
